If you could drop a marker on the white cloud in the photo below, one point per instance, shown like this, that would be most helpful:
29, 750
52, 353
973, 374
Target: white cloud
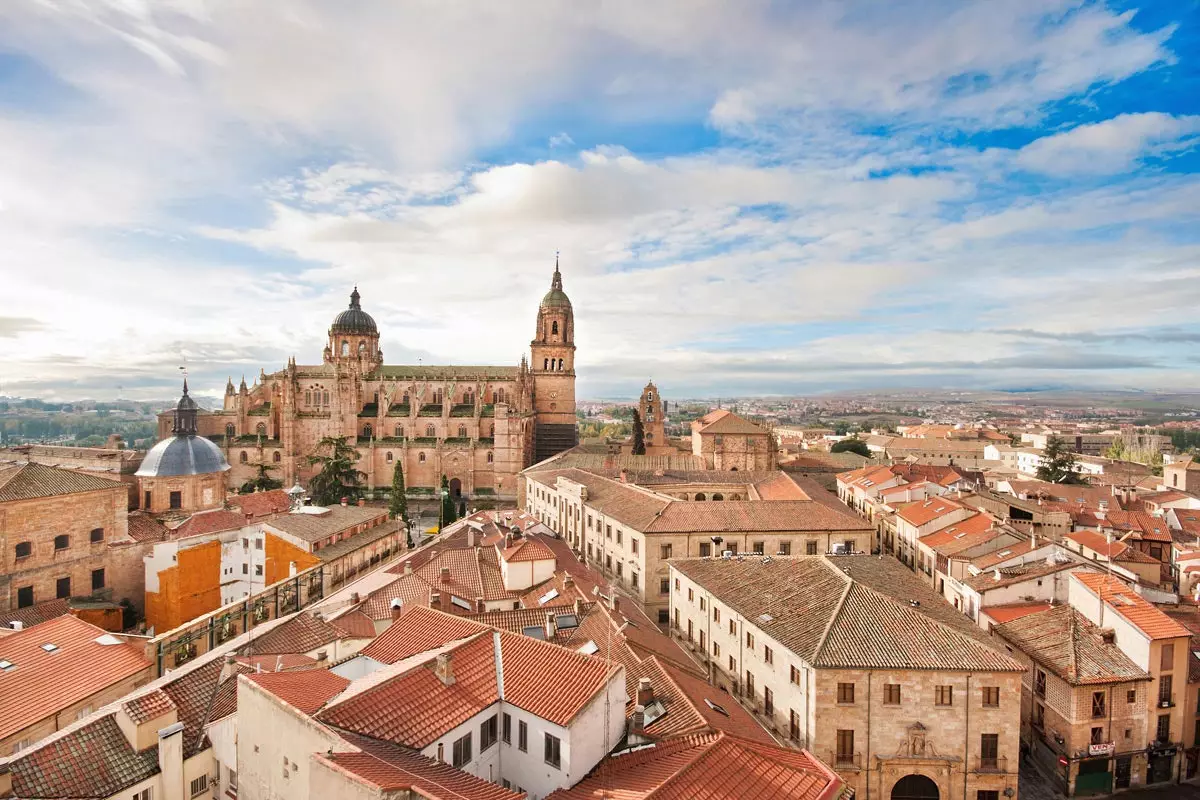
1113, 145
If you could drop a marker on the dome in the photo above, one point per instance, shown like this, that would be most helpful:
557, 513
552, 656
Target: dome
354, 319
556, 297
182, 455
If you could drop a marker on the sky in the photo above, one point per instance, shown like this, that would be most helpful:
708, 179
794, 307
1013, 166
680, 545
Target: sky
747, 197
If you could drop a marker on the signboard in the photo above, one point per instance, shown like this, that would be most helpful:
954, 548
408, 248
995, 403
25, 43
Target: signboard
1102, 749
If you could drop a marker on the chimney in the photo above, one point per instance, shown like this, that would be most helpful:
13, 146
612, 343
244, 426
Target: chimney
408, 567
17, 625
355, 598
470, 536
645, 692
1108, 636
637, 721
578, 607
1033, 540
322, 656
361, 502
614, 602
279, 663
445, 574
444, 670
507, 540
435, 600
170, 761
624, 476
551, 626
397, 606
227, 669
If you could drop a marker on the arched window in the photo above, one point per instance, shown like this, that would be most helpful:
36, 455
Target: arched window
276, 458
554, 328
242, 457
489, 457
545, 364
362, 348
718, 496
325, 399
231, 430
399, 431
462, 431
420, 458
430, 432
700, 496
308, 398
735, 497
345, 348
405, 398
261, 429
560, 362
367, 431
389, 456
24, 549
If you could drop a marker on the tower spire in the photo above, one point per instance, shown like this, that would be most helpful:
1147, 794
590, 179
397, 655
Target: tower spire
556, 281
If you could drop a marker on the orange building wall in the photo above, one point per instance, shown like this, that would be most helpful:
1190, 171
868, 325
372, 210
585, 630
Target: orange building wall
279, 557
185, 591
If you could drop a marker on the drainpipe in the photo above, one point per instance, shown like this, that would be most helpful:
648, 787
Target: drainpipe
967, 739
867, 766
708, 669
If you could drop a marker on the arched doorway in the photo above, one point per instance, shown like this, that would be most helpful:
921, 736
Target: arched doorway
915, 787
455, 487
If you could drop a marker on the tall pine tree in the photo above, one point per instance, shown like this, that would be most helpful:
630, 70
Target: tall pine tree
398, 503
639, 435
1059, 464
449, 512
338, 477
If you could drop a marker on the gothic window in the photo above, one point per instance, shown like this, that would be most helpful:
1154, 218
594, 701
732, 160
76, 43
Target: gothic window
420, 458
308, 398
276, 458
554, 328
700, 496
345, 348
261, 429
462, 431
430, 432
242, 457
231, 430
389, 456
560, 365
718, 496
469, 398
325, 398
399, 431
545, 364
489, 457
367, 431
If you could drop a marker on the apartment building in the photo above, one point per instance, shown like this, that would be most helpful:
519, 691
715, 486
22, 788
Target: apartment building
859, 661
921, 518
628, 525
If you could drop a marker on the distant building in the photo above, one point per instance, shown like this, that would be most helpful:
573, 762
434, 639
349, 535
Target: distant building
185, 472
1183, 474
727, 442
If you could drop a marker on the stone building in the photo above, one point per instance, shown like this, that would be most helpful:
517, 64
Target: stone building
478, 425
857, 660
726, 441
1183, 474
184, 472
110, 461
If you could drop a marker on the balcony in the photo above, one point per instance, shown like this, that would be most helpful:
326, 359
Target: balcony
1166, 700
991, 764
846, 760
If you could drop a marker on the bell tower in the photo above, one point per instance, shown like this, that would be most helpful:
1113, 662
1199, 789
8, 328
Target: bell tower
552, 367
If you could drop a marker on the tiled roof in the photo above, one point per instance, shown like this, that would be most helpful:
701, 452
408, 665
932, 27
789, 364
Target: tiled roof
390, 768
920, 512
306, 690
1131, 605
424, 632
49, 681
143, 528
1007, 552
526, 549
315, 527
1166, 496
35, 614
356, 624
302, 634
277, 662
1097, 542
1009, 612
95, 761
1066, 643
1084, 495
209, 522
724, 421
962, 535
202, 697
848, 611
1008, 576
30, 481
260, 504
754, 515
518, 619
1150, 528
708, 766
151, 705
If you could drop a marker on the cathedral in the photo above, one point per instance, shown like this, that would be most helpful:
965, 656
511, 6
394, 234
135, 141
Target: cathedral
477, 425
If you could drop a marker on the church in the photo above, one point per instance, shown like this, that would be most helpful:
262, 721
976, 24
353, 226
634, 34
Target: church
477, 425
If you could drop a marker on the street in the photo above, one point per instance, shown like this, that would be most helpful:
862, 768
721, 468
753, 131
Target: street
1035, 786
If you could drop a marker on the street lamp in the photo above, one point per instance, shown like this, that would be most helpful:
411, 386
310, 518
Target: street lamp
442, 509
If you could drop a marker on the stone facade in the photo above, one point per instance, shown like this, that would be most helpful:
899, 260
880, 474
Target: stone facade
477, 425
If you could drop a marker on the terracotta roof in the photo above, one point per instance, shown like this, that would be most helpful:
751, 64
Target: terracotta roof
750, 516
1131, 605
95, 761
1007, 552
1020, 573
30, 481
202, 697
1082, 494
151, 705
1007, 613
1165, 496
306, 690
209, 522
518, 619
315, 527
1097, 542
724, 421
1063, 641
848, 611
921, 512
1149, 528
962, 535
277, 662
424, 632
301, 634
526, 549
260, 504
143, 528
76, 668
708, 766
35, 614
356, 625
390, 768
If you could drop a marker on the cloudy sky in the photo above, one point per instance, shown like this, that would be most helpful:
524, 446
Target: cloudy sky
749, 197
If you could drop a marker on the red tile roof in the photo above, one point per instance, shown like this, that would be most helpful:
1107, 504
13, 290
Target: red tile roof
306, 690
356, 624
302, 634
31, 481
35, 614
1097, 542
708, 766
143, 528
526, 549
423, 630
277, 662
724, 421
1131, 605
48, 682
209, 522
1149, 528
1011, 611
260, 504
95, 761
151, 705
920, 512
1065, 642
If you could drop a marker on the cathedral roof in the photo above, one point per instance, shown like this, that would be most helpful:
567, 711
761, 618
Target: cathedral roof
556, 297
182, 455
354, 319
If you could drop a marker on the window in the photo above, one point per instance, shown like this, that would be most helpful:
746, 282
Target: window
144, 794
703, 644
705, 549
1163, 733
97, 579
749, 683
749, 640
242, 457
701, 603
62, 541
462, 751
1039, 682
989, 750
177, 499
199, 785
441, 756
388, 457
553, 751
608, 531
97, 535
487, 733
618, 536
759, 547
810, 548
522, 736
245, 569
146, 500
1167, 660
716, 649
665, 551
891, 694
691, 595
1165, 697
420, 458
258, 544
845, 746
506, 729
794, 675
732, 628
664, 585
24, 549
716, 614
987, 794
663, 616
768, 655
258, 570
1097, 735
991, 696
231, 779
275, 457
490, 458
785, 548
845, 693
732, 664
793, 725
24, 597
62, 588
768, 701
430, 433
677, 584
1098, 704
943, 695
633, 580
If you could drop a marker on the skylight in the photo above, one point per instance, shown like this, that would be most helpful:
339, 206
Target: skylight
565, 621
458, 601
716, 707
547, 597
49, 647
534, 632
765, 618
653, 711
589, 648
7, 665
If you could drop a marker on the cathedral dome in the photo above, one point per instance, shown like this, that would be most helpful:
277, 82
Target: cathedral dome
556, 297
354, 320
182, 455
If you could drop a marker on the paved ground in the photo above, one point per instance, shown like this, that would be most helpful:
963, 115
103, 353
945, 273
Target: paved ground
1035, 786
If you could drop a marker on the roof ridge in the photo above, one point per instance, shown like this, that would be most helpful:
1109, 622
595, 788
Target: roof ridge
837, 611
707, 747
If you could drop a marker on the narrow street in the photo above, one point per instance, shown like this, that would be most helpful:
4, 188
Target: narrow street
1035, 786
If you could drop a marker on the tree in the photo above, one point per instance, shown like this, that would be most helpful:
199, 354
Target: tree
263, 482
639, 435
1116, 450
398, 502
1059, 464
449, 513
338, 476
851, 445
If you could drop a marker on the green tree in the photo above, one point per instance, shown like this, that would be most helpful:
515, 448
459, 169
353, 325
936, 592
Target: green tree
851, 445
1059, 463
398, 503
1116, 450
449, 512
338, 477
263, 482
639, 435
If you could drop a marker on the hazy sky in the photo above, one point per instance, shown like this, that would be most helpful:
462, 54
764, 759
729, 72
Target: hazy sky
748, 196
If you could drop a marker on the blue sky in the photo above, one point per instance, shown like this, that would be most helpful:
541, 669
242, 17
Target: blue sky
749, 197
